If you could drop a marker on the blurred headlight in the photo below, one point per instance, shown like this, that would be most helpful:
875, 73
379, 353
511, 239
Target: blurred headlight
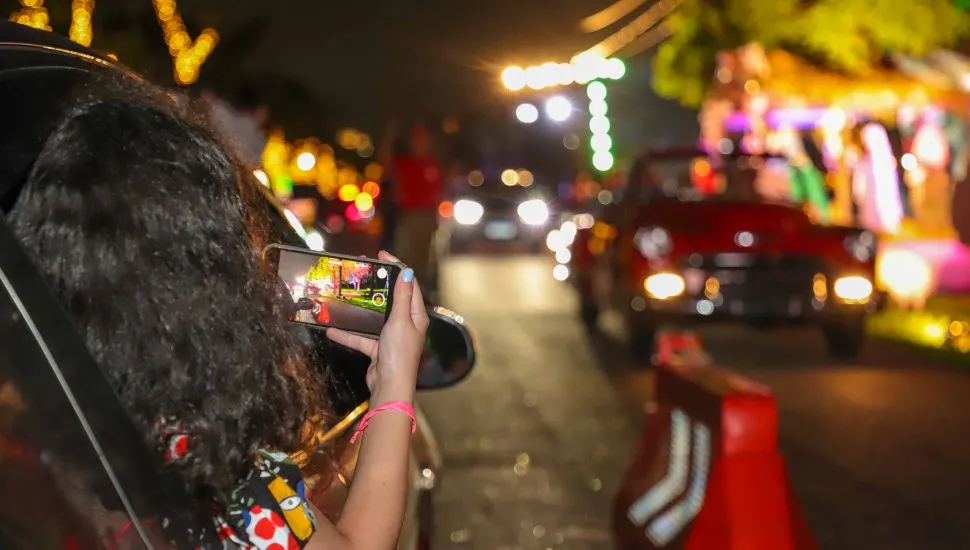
533, 212
664, 286
853, 289
468, 212
652, 242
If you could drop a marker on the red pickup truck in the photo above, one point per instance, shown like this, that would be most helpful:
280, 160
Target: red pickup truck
678, 247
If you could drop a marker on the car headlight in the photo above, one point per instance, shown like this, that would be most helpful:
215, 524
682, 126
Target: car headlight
853, 288
862, 246
652, 242
533, 212
664, 286
468, 212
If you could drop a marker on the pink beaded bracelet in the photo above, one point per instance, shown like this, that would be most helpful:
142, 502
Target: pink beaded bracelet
400, 406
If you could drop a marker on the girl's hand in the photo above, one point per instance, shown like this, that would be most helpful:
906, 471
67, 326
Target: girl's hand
394, 356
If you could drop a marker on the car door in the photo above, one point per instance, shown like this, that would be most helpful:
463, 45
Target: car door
73, 470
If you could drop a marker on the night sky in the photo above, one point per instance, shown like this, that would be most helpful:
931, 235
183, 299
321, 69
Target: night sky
360, 62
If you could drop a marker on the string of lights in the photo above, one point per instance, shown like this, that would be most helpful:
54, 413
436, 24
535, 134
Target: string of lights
80, 31
33, 14
630, 32
592, 66
648, 40
609, 15
583, 69
187, 56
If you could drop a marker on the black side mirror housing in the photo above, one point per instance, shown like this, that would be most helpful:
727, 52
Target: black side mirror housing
449, 352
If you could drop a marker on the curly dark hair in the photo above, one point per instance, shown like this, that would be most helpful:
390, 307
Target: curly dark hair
150, 236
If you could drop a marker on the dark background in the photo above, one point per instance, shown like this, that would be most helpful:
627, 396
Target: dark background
322, 66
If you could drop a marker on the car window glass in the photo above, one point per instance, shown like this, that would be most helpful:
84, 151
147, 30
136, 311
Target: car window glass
55, 489
74, 471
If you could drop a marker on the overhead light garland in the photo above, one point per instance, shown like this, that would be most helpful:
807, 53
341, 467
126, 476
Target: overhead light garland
33, 14
187, 55
585, 68
81, 32
636, 28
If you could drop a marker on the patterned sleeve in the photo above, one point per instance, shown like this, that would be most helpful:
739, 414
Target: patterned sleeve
269, 510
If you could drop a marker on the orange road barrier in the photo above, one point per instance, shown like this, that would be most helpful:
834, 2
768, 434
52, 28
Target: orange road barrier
708, 474
679, 348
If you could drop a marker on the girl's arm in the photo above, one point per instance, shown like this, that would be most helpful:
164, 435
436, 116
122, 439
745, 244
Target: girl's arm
374, 511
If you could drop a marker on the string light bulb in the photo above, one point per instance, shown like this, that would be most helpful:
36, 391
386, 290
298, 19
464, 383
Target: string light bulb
80, 30
33, 14
187, 56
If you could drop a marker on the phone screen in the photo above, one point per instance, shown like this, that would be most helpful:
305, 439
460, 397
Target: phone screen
329, 291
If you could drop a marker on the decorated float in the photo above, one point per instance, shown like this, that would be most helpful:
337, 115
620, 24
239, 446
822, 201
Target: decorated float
887, 151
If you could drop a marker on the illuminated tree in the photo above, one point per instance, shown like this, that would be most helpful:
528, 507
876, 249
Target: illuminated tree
844, 35
323, 271
355, 271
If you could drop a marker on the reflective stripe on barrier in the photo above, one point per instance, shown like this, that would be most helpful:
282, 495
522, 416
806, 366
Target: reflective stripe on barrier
664, 492
707, 474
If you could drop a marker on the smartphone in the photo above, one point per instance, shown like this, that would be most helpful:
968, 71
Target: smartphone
333, 290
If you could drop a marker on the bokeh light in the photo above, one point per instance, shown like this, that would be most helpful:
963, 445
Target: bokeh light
596, 91
348, 192
565, 74
525, 178
476, 178
599, 125
514, 78
352, 213
374, 171
558, 108
527, 113
364, 202
306, 161
906, 275
446, 209
603, 160
510, 177
555, 240
598, 108
600, 142
615, 68
372, 188
450, 125
570, 141
535, 78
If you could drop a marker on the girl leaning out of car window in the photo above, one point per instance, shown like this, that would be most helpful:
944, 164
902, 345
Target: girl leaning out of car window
149, 235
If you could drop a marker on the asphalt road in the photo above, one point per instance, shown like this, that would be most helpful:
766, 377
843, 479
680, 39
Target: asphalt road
349, 317
536, 440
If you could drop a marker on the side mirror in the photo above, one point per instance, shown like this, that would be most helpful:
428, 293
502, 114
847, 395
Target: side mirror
305, 304
448, 357
449, 352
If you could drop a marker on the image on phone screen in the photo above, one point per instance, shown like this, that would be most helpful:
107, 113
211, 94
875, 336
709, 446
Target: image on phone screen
352, 295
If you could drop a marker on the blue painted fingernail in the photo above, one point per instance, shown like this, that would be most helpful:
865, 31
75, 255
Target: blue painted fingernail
408, 275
